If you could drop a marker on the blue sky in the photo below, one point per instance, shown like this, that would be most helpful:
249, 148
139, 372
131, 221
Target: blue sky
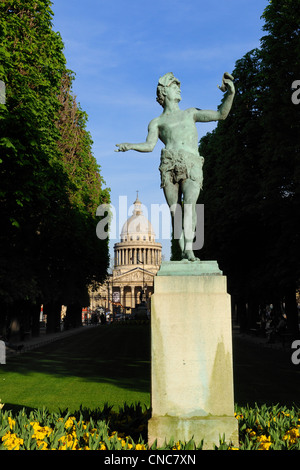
118, 49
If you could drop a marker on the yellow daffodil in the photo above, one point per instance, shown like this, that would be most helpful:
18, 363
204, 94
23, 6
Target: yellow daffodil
292, 436
140, 447
265, 442
11, 441
11, 422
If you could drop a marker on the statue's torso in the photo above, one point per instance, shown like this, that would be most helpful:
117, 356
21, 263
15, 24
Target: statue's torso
177, 130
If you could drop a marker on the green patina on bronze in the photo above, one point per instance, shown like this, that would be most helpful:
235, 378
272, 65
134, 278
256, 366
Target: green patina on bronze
181, 164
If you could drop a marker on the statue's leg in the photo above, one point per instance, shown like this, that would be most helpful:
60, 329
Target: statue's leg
190, 191
173, 197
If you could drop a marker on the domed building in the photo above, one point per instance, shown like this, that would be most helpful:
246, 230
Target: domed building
137, 258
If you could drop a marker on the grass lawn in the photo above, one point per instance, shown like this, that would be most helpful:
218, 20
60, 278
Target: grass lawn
108, 364
111, 364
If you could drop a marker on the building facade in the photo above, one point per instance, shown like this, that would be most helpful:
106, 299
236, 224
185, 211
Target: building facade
137, 258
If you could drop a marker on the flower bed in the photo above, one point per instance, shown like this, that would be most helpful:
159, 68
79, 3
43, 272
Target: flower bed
269, 428
260, 428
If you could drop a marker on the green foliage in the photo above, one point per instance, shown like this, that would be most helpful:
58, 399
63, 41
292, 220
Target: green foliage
260, 428
28, 139
50, 181
232, 182
251, 170
269, 428
280, 147
75, 145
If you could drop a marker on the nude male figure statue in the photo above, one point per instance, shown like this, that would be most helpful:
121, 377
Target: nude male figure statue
181, 164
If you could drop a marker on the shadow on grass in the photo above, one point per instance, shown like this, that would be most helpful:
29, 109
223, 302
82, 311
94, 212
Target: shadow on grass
16, 408
120, 355
115, 354
264, 375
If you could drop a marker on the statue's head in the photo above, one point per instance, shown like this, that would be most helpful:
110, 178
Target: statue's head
164, 82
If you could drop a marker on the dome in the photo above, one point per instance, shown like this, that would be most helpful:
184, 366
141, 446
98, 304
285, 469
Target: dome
137, 227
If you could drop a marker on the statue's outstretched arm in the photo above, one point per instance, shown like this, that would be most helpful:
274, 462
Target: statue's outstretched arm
147, 146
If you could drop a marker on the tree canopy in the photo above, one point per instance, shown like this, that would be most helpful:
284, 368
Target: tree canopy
50, 181
251, 170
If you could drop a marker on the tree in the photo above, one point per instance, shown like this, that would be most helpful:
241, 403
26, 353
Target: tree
280, 147
251, 172
50, 181
31, 67
233, 234
89, 261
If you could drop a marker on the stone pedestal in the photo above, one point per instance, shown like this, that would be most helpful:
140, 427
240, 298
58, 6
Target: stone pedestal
192, 375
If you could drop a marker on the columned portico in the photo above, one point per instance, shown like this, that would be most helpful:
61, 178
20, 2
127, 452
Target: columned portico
137, 258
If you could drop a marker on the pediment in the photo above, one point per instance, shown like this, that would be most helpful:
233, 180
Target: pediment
134, 275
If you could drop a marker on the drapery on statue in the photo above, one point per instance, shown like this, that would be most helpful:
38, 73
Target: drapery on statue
181, 164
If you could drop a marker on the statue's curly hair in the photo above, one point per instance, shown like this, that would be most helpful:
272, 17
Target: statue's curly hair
164, 81
160, 97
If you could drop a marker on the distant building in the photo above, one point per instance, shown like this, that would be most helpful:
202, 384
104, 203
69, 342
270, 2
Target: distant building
137, 258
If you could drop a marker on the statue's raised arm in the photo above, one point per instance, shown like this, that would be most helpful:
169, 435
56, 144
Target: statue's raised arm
202, 115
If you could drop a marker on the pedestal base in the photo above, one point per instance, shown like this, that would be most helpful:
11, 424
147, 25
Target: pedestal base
209, 430
192, 375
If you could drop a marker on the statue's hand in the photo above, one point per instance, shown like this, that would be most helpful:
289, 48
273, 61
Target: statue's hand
227, 83
122, 147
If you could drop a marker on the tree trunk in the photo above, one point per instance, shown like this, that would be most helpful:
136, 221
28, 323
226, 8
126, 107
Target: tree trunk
35, 319
253, 313
242, 314
74, 315
291, 311
53, 312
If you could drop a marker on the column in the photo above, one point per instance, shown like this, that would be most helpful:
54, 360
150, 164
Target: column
121, 295
134, 256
